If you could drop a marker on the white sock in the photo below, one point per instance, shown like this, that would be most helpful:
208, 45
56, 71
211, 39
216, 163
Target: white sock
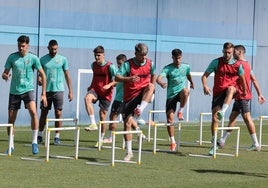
143, 106
57, 135
172, 139
110, 134
129, 147
12, 140
40, 133
254, 139
92, 119
34, 136
224, 136
102, 136
224, 107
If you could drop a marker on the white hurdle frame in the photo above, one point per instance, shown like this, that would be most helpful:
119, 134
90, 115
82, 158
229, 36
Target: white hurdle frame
261, 118
80, 71
150, 121
9, 138
74, 120
114, 133
77, 129
202, 114
215, 141
166, 124
100, 144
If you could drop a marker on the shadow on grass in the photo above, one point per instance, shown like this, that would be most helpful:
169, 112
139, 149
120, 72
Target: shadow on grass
260, 175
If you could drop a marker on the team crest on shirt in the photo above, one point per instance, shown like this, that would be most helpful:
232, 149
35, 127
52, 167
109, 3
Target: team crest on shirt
57, 61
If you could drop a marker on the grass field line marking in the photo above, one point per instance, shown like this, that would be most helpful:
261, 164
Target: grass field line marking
99, 164
200, 155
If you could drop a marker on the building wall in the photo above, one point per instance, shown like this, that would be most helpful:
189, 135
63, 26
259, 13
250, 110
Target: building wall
198, 28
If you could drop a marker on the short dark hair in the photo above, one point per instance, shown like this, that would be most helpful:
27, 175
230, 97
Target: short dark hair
23, 38
228, 45
240, 48
99, 49
52, 42
176, 52
121, 57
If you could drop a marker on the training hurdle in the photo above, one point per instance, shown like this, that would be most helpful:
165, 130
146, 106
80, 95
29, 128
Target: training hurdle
166, 124
261, 118
201, 117
114, 133
215, 141
100, 141
77, 129
215, 153
150, 121
74, 120
9, 140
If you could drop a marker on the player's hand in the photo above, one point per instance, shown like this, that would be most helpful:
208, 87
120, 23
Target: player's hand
261, 99
107, 86
70, 96
135, 78
44, 100
6, 76
207, 90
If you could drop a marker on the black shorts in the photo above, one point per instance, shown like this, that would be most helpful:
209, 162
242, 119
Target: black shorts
103, 103
129, 107
218, 100
15, 100
117, 107
241, 106
53, 97
171, 103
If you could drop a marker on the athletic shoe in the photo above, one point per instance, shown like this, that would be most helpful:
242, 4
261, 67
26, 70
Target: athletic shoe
220, 144
91, 127
180, 116
254, 148
128, 157
137, 112
97, 144
141, 121
56, 141
7, 151
172, 147
107, 140
220, 115
35, 149
211, 150
39, 139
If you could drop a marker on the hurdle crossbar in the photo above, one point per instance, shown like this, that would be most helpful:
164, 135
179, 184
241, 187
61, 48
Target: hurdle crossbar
77, 129
9, 138
261, 118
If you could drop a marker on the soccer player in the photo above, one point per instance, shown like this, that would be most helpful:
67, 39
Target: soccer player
177, 73
227, 71
101, 88
241, 104
23, 64
138, 75
56, 69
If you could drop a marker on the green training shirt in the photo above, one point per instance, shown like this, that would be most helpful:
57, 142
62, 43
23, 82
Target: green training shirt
22, 80
54, 68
